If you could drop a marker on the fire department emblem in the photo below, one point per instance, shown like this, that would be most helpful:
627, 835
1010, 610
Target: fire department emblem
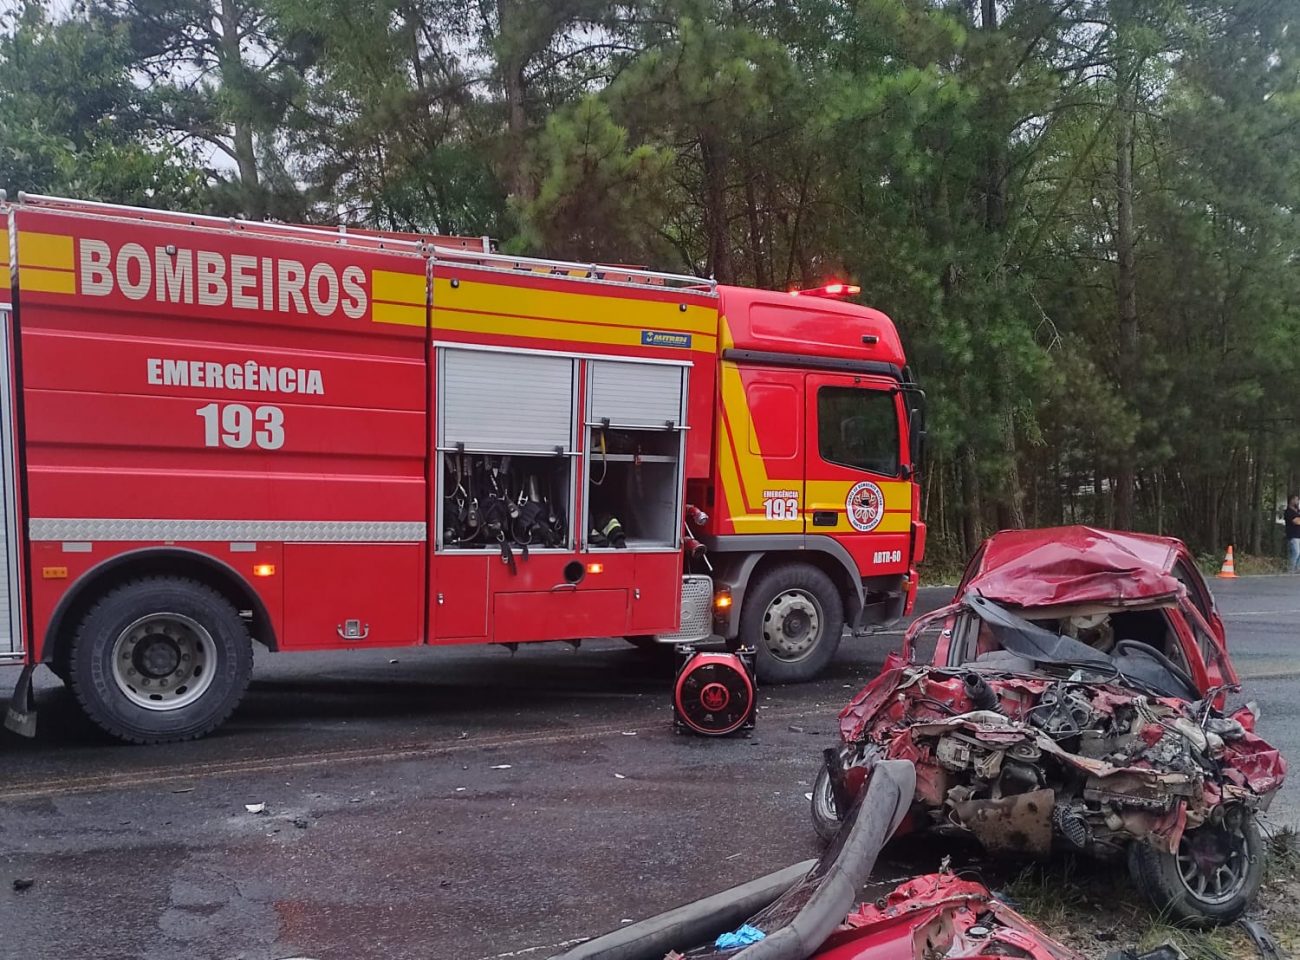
866, 506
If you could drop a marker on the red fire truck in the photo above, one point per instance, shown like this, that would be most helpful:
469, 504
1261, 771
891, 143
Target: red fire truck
218, 431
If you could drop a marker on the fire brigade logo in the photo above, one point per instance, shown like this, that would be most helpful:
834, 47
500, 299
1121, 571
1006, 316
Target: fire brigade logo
865, 506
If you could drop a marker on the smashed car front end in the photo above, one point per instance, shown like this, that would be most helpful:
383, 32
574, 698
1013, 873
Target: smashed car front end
1040, 742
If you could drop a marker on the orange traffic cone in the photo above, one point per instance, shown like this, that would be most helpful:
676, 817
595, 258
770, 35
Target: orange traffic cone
1228, 571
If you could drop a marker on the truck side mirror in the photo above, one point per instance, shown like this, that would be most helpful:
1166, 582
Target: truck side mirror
916, 438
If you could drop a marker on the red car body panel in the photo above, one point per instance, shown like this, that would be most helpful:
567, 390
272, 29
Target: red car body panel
1077, 564
940, 915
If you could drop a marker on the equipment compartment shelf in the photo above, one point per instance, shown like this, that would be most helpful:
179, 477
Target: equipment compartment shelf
633, 483
634, 457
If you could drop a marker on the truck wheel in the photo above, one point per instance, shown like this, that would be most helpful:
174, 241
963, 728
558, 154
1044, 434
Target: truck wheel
1214, 875
160, 660
825, 812
793, 616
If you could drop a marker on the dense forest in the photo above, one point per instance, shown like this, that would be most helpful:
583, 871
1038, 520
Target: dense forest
1081, 213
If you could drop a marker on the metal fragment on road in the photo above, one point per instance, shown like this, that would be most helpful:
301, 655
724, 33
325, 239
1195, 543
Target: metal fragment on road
255, 807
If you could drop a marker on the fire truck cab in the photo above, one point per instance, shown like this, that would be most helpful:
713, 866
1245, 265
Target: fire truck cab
214, 432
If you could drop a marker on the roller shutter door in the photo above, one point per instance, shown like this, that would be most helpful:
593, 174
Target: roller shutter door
505, 402
637, 394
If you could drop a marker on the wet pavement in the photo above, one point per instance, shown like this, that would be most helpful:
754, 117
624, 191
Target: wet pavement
457, 804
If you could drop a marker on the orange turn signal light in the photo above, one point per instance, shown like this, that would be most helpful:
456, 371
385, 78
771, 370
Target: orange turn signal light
264, 570
722, 601
595, 568
54, 573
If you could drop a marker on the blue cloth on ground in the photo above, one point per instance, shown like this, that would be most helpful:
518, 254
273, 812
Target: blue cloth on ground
740, 938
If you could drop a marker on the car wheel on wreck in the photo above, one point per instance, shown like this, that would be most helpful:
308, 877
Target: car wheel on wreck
1214, 875
825, 812
794, 617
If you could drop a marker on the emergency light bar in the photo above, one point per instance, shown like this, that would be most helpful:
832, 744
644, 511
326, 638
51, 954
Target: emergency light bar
833, 290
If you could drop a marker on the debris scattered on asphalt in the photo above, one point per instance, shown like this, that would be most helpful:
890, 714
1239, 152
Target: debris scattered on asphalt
255, 807
183, 790
807, 796
23, 883
464, 735
795, 729
460, 789
501, 766
392, 661
629, 733
619, 776
300, 823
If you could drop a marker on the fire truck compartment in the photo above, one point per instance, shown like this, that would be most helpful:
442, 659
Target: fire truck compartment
635, 477
347, 595
572, 613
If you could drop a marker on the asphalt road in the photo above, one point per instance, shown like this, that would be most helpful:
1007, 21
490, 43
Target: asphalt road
457, 804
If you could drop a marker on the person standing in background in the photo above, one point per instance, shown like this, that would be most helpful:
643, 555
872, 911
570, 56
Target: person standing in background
1291, 519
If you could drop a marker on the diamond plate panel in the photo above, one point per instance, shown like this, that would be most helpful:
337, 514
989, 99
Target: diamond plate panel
282, 531
697, 611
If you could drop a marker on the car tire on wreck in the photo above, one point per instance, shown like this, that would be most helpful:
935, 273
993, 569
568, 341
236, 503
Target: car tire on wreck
1214, 875
825, 812
794, 617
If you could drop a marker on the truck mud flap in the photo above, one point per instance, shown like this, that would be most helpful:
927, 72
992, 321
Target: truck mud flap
21, 715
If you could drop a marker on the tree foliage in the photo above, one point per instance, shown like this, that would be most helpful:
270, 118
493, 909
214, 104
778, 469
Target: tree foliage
1081, 213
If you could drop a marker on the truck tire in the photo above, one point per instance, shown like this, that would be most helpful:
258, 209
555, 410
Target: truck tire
793, 616
160, 659
1212, 878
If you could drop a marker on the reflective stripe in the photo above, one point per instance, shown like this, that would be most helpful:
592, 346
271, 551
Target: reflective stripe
285, 531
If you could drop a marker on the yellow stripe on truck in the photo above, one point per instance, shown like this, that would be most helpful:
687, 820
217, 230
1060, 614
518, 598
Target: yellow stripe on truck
513, 326
39, 280
404, 288
399, 313
50, 250
4, 258
508, 300
827, 493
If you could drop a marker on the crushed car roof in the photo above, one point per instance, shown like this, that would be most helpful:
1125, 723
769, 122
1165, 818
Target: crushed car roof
1074, 565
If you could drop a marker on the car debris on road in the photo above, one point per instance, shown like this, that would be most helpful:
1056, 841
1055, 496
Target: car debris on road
1090, 717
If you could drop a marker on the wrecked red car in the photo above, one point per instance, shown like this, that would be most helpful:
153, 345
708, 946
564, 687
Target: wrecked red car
1075, 699
811, 911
